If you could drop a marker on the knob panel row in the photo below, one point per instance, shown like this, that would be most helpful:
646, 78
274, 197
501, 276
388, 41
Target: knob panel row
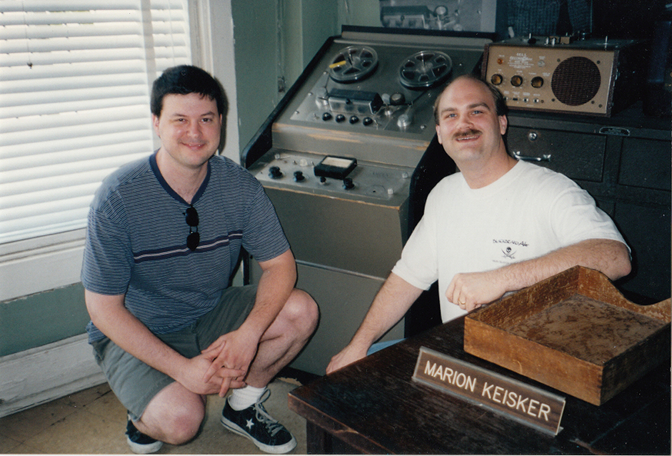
340, 118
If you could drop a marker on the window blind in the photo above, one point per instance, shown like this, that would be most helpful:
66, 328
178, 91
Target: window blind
75, 77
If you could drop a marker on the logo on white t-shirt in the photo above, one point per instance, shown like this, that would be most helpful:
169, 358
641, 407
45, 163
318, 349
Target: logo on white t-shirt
510, 251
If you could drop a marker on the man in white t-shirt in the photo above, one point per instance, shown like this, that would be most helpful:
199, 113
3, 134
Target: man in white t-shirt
497, 226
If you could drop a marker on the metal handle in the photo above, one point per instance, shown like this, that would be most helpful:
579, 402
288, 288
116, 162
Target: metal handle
614, 131
543, 158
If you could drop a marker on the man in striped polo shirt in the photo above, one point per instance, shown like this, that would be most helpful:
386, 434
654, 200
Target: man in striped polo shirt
163, 240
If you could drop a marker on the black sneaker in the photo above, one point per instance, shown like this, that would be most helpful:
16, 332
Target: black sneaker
139, 442
257, 425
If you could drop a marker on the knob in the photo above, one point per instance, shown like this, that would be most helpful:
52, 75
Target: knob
397, 99
367, 121
517, 81
274, 172
496, 79
326, 116
537, 82
348, 184
405, 120
323, 180
354, 119
340, 118
298, 176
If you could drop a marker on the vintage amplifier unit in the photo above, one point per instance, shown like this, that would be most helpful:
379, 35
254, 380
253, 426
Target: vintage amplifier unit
559, 74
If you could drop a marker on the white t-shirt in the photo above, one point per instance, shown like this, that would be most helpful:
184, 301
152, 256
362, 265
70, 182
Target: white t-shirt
527, 213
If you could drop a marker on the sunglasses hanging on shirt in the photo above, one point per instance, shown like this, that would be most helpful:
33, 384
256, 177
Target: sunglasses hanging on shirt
193, 238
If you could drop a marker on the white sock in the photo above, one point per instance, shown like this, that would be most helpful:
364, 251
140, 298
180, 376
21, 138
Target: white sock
242, 398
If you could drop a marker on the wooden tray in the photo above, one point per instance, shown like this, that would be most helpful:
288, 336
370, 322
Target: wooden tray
574, 332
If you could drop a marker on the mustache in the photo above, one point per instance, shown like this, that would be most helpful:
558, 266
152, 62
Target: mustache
466, 133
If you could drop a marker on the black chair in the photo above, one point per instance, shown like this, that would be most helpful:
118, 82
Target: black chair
434, 165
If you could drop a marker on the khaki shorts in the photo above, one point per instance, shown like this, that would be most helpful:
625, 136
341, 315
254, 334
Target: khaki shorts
135, 383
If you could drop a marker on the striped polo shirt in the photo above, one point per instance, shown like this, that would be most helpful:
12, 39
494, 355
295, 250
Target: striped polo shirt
136, 241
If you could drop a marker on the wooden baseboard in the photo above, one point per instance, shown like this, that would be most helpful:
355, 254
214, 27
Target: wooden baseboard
42, 374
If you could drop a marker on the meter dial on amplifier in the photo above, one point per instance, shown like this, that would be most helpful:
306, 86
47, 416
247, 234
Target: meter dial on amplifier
425, 69
353, 63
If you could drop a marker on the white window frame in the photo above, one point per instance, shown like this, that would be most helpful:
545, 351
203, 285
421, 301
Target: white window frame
44, 263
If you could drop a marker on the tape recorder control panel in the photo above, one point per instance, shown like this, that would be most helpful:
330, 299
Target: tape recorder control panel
333, 175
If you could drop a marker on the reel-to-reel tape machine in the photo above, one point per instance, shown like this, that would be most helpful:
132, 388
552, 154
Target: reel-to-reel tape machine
381, 87
336, 159
343, 93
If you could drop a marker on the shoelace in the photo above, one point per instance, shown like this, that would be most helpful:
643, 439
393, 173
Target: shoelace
262, 415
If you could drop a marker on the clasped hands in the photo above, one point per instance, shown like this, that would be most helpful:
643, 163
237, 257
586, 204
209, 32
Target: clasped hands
224, 364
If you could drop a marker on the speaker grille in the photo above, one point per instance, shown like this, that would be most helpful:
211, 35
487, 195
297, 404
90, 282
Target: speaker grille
575, 81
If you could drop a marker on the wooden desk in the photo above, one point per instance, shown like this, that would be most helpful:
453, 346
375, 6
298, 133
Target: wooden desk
373, 406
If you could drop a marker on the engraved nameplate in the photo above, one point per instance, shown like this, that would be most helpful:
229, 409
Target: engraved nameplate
523, 403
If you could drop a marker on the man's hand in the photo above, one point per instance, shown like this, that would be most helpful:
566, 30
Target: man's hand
193, 374
347, 356
471, 290
230, 357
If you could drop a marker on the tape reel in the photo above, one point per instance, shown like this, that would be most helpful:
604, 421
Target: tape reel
425, 69
353, 63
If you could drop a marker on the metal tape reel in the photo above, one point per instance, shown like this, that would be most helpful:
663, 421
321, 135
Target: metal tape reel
353, 63
425, 69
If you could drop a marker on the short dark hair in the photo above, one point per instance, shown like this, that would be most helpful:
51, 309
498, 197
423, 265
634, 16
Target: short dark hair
500, 104
183, 80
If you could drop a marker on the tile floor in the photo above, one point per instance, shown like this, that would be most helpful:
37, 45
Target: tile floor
93, 422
